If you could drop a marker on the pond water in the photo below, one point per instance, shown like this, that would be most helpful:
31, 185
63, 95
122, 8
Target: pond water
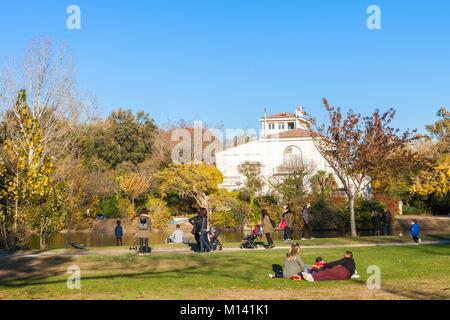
101, 238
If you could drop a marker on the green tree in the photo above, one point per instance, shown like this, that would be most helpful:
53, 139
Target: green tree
323, 183
124, 136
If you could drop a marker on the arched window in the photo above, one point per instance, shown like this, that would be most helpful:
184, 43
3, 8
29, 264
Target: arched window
292, 155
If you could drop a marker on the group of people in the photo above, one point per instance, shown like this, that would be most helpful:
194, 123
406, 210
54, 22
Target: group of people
287, 224
294, 268
378, 219
200, 231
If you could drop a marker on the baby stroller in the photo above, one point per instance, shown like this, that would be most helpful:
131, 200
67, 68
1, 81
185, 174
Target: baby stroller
249, 241
213, 238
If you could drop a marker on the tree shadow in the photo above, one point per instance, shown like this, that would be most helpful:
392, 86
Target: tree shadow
26, 272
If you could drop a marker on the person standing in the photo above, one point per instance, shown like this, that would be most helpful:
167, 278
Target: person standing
289, 218
415, 232
387, 220
118, 232
376, 224
204, 243
143, 232
196, 223
306, 216
267, 226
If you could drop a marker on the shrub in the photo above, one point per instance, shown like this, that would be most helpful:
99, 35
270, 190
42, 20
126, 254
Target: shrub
159, 213
328, 213
227, 211
407, 210
110, 207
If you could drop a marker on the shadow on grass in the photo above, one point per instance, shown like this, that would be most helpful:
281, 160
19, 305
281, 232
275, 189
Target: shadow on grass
25, 272
410, 293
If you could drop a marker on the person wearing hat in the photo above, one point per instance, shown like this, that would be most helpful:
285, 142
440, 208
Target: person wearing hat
143, 231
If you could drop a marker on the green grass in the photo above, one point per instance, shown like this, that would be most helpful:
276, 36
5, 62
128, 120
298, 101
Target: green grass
407, 272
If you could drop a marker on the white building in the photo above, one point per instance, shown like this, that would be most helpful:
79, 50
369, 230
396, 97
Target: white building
285, 140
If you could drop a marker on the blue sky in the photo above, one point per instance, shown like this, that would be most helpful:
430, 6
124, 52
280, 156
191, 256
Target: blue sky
223, 61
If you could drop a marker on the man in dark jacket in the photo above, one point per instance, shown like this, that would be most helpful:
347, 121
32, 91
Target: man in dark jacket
387, 219
337, 270
306, 216
196, 229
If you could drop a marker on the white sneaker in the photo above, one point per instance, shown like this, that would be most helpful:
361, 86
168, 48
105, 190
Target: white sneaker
271, 275
307, 276
303, 239
312, 239
420, 240
355, 275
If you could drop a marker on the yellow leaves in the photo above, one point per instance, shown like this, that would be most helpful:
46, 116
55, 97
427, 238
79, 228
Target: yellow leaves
435, 182
133, 184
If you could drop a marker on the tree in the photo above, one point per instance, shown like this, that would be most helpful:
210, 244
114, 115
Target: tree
323, 183
41, 108
133, 185
31, 181
294, 186
159, 213
196, 181
356, 147
435, 182
440, 130
122, 137
253, 182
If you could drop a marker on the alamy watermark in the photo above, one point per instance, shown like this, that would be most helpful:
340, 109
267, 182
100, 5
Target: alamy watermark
374, 280
74, 280
73, 22
374, 19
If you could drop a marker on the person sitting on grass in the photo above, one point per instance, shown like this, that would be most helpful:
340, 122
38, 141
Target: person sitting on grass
293, 264
337, 270
320, 265
177, 236
415, 232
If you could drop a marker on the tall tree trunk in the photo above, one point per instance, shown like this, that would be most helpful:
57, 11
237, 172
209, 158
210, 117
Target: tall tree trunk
351, 201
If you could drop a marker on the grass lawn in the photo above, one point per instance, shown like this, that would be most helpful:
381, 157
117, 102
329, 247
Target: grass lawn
407, 272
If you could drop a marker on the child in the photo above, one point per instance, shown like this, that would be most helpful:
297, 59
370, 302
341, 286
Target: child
318, 266
118, 232
293, 265
415, 231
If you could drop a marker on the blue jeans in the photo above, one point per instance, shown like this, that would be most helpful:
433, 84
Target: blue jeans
204, 244
387, 229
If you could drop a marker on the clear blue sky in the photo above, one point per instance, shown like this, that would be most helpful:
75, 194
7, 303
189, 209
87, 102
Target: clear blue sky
223, 61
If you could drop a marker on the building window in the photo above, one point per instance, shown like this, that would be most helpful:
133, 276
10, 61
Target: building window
291, 125
281, 126
271, 126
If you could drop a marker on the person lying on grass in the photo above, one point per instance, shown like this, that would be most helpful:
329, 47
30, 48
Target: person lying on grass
293, 264
337, 270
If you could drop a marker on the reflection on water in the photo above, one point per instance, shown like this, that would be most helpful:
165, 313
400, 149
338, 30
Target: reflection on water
101, 238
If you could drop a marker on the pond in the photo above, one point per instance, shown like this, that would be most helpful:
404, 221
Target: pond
101, 238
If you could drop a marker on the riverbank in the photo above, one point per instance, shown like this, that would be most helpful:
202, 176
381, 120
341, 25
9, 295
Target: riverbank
322, 243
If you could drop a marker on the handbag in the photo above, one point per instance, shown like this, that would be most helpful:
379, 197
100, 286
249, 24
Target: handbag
282, 224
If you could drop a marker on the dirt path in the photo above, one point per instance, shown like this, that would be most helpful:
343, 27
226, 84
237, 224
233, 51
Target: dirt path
125, 250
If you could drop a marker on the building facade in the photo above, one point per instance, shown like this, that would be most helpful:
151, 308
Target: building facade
284, 142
